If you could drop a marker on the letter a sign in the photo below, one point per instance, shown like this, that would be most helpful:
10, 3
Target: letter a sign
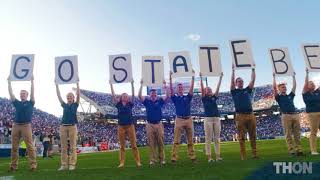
66, 69
21, 67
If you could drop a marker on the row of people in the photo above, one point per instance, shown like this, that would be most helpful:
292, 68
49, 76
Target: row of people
244, 117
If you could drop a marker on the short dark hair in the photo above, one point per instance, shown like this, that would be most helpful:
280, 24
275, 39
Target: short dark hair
153, 90
238, 78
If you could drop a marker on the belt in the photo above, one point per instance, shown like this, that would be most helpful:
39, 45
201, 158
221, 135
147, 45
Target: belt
67, 124
184, 117
290, 113
154, 122
22, 123
244, 112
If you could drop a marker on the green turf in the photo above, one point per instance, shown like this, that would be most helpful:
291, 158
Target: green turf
104, 165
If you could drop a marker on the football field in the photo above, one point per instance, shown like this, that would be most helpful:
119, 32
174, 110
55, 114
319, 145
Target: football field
104, 165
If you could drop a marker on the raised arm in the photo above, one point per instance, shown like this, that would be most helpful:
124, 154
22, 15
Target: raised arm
171, 86
78, 93
32, 90
294, 83
167, 92
201, 85
274, 84
58, 94
219, 84
232, 84
306, 81
253, 77
140, 92
132, 90
192, 84
114, 98
12, 97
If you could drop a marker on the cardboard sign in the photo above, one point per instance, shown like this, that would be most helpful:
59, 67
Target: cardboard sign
311, 53
152, 71
209, 60
281, 61
120, 68
241, 54
66, 69
180, 64
21, 67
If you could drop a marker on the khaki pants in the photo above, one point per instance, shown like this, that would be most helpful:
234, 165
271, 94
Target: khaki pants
246, 122
212, 128
130, 130
155, 133
187, 125
68, 132
25, 132
291, 125
314, 119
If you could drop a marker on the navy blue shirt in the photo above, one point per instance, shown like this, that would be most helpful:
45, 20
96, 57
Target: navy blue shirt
286, 102
125, 113
24, 110
69, 113
242, 100
182, 104
312, 101
153, 108
210, 106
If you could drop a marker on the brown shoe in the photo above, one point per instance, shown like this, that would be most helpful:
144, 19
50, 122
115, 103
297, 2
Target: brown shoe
194, 161
300, 154
33, 169
12, 169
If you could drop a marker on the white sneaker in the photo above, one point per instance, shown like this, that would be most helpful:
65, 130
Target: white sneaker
151, 163
314, 153
219, 159
210, 161
71, 168
62, 168
163, 162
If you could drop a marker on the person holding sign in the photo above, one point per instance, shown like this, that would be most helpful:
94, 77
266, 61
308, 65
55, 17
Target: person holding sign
290, 117
22, 126
154, 127
126, 125
244, 117
183, 119
68, 129
311, 97
212, 125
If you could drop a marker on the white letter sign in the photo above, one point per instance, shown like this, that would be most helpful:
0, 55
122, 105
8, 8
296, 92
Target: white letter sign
311, 53
152, 70
120, 68
209, 60
21, 67
180, 64
66, 69
241, 54
281, 62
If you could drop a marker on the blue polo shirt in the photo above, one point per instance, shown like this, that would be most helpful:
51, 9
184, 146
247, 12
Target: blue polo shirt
69, 113
125, 113
153, 108
242, 99
312, 101
286, 102
210, 106
182, 104
24, 110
